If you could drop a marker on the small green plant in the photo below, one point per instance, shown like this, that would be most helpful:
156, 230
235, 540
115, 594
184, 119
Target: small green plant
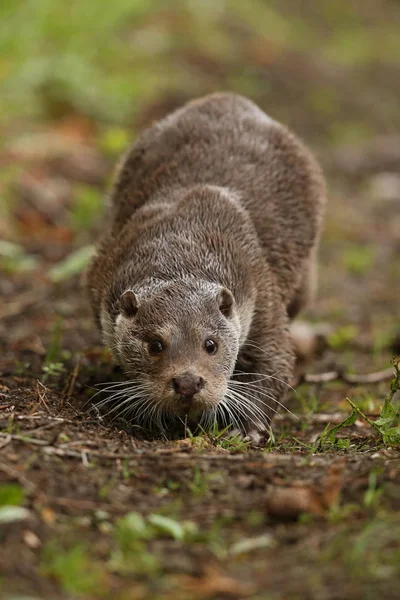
309, 403
374, 549
54, 351
74, 569
218, 437
199, 484
114, 140
72, 265
234, 443
107, 487
200, 440
14, 259
53, 365
214, 537
366, 402
11, 494
328, 436
342, 337
387, 424
255, 519
12, 426
53, 369
358, 260
222, 439
383, 338
172, 485
133, 532
127, 470
373, 492
21, 367
86, 208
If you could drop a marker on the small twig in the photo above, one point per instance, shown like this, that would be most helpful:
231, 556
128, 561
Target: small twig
41, 394
85, 459
67, 392
23, 438
78, 454
43, 417
78, 443
42, 427
53, 450
353, 379
82, 504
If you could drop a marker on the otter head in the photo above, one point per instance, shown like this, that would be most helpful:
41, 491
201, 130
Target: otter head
178, 343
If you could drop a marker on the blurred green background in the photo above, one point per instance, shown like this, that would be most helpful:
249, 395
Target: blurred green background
329, 69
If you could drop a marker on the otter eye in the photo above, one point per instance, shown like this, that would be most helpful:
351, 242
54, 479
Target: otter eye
210, 346
156, 347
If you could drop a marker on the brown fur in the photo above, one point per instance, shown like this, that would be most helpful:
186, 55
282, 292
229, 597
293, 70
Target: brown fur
217, 195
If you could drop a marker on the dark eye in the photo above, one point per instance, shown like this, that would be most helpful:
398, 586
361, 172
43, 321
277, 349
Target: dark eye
210, 346
156, 347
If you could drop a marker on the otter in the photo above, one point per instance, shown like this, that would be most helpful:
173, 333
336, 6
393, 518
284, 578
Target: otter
209, 253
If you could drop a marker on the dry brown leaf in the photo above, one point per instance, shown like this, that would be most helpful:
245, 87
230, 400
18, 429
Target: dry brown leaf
48, 516
31, 539
214, 581
76, 127
290, 502
31, 343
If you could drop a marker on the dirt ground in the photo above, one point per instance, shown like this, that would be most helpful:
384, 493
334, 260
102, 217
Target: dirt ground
100, 509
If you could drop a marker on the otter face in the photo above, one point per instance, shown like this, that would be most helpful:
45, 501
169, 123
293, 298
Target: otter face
178, 346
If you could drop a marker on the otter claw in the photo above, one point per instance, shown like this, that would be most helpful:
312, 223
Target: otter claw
257, 437
254, 437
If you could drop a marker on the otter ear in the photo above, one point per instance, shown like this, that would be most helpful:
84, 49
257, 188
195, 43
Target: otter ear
226, 302
128, 303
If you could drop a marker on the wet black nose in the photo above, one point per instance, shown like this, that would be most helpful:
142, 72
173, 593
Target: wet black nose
187, 384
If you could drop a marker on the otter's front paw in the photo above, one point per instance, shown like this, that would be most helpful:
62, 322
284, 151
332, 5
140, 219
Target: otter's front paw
254, 437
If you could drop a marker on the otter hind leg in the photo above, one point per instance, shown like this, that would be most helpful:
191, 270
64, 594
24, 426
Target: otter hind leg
308, 340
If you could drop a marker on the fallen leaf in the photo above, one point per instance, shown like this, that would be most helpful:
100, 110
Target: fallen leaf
213, 582
12, 514
48, 516
74, 264
31, 343
248, 544
167, 526
289, 502
31, 539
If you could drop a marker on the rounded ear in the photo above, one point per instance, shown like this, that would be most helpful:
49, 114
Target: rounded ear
128, 303
226, 302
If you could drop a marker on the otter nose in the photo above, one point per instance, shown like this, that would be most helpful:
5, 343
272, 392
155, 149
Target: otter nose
187, 384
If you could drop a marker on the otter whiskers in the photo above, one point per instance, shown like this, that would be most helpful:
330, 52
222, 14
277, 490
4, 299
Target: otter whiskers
257, 390
133, 401
247, 409
263, 377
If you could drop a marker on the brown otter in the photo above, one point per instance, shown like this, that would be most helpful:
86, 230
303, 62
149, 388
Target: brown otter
210, 251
